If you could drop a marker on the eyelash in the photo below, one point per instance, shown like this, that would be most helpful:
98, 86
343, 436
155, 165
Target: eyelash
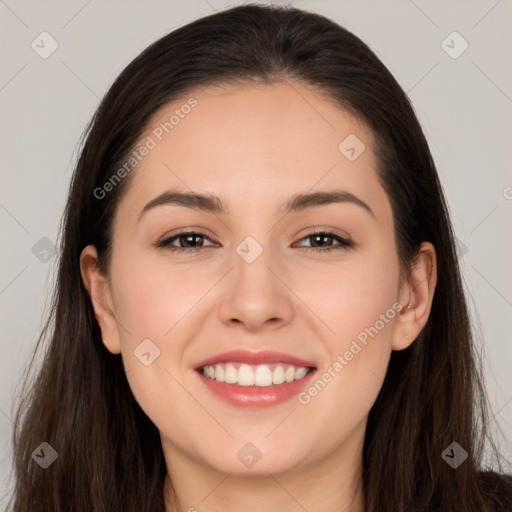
344, 243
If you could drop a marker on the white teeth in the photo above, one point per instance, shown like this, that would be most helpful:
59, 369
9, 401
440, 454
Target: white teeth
299, 373
278, 375
263, 376
230, 375
219, 373
254, 375
245, 375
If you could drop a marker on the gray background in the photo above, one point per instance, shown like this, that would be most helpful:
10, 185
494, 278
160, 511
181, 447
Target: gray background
463, 103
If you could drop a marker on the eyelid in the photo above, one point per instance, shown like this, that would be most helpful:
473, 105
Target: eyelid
312, 230
185, 231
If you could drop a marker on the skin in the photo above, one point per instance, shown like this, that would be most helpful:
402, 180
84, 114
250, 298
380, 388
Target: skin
255, 147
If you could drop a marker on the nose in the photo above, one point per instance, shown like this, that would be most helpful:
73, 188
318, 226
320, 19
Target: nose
256, 296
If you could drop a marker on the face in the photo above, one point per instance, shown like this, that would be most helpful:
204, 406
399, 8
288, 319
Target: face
296, 308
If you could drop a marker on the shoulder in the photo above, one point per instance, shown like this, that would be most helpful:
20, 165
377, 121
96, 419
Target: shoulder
497, 488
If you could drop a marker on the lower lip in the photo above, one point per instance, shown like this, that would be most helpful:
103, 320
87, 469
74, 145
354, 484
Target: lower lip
256, 396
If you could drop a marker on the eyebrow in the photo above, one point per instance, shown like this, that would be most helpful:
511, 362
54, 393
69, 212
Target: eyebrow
214, 204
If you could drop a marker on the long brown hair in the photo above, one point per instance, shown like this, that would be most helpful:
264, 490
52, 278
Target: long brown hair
78, 399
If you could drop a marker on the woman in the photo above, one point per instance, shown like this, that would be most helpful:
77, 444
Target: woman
255, 368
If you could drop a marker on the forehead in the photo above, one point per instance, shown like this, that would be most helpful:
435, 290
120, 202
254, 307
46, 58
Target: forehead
263, 142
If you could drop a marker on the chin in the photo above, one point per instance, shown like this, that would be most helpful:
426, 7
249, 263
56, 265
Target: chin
246, 458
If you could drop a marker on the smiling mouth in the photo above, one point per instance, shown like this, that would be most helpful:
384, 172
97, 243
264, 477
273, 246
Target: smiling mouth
260, 375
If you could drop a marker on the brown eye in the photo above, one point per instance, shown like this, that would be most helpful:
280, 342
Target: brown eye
320, 238
187, 239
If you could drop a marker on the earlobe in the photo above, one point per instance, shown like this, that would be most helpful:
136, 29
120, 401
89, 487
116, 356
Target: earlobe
98, 287
418, 294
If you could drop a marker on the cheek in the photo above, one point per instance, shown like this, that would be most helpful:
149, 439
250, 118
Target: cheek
151, 309
151, 298
351, 297
156, 303
358, 306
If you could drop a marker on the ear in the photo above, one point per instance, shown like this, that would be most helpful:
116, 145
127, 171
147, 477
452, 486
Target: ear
98, 287
416, 295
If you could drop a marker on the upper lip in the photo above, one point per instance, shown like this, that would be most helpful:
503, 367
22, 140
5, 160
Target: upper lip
262, 357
